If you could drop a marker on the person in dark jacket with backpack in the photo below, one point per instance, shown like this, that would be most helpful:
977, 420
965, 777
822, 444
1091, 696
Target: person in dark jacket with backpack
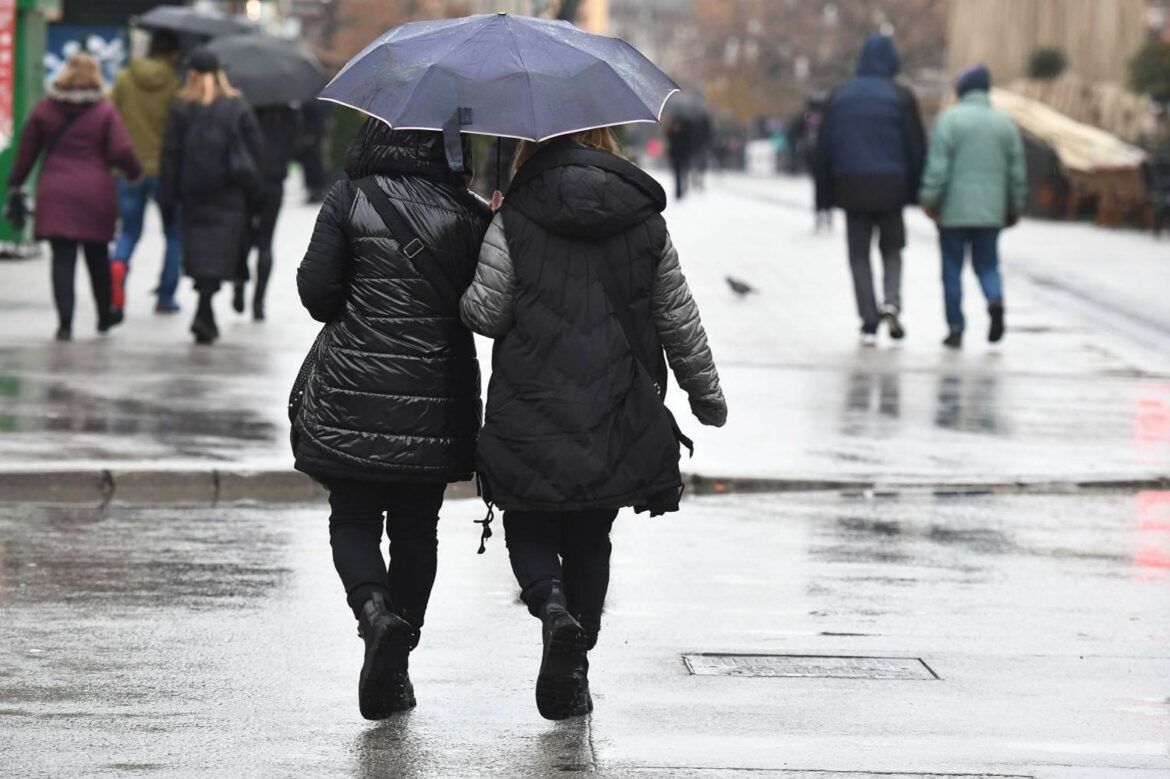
281, 128
78, 136
870, 155
209, 167
391, 408
581, 287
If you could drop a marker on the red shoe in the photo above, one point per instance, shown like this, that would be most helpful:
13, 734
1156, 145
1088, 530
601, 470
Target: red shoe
118, 284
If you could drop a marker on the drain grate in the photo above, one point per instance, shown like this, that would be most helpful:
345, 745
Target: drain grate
809, 666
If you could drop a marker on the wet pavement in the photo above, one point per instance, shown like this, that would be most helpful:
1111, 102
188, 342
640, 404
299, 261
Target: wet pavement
1080, 391
182, 642
931, 625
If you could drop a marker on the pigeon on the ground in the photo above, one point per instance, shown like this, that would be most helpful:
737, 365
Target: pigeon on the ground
740, 288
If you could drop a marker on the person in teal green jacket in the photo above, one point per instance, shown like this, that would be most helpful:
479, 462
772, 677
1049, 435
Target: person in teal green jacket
974, 186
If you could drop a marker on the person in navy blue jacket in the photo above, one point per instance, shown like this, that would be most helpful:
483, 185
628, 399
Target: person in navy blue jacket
869, 161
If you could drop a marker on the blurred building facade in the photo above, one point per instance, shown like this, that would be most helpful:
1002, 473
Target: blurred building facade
1099, 37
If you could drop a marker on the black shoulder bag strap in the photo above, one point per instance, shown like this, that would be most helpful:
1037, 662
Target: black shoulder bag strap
417, 252
637, 347
55, 141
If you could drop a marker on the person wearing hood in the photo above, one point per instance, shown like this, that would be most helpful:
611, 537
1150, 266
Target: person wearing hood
869, 161
391, 408
580, 286
975, 185
143, 94
78, 137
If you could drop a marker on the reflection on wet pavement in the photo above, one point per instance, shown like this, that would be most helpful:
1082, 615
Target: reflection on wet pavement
197, 642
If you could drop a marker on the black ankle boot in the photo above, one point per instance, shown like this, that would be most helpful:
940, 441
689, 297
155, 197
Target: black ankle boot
384, 686
995, 332
562, 686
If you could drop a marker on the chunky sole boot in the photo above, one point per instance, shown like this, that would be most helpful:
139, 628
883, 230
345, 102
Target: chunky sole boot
384, 687
996, 331
954, 340
562, 686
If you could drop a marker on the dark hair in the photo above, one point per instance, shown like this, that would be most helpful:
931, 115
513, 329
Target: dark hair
163, 43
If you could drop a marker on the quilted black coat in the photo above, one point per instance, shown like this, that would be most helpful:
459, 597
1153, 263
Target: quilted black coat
396, 392
571, 422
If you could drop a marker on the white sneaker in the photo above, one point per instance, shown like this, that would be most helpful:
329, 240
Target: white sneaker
868, 339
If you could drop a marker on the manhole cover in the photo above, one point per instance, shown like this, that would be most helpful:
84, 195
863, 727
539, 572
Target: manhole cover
843, 667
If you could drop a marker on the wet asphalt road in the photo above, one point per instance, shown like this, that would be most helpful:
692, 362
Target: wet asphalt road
194, 642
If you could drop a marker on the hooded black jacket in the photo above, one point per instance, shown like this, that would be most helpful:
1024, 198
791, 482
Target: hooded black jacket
871, 147
571, 424
396, 392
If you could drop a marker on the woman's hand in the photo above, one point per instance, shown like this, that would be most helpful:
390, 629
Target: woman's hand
497, 200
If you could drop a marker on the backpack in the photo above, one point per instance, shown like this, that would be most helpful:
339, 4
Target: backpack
215, 155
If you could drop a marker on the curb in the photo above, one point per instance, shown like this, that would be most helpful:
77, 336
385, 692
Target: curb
215, 486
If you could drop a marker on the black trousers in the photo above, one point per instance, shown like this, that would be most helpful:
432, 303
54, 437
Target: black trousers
265, 207
411, 516
97, 262
572, 547
891, 230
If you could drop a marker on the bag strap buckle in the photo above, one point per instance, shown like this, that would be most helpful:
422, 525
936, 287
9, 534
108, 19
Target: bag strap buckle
412, 249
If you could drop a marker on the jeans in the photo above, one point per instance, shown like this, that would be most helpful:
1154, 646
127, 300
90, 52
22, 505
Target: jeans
859, 230
984, 243
132, 200
97, 261
571, 547
411, 516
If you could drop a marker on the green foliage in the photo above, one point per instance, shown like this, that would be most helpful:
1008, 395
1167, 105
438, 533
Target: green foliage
1149, 70
1046, 63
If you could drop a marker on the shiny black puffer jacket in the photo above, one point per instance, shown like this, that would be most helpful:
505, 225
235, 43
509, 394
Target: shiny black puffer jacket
396, 392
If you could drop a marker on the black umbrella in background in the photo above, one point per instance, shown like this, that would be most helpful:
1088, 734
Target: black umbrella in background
269, 71
192, 23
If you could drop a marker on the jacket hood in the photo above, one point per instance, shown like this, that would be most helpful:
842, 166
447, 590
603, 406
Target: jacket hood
580, 192
378, 149
879, 57
152, 74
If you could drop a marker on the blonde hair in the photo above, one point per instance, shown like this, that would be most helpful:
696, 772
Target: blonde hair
598, 138
81, 72
206, 88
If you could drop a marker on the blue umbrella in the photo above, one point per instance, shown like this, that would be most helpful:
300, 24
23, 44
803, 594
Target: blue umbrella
502, 75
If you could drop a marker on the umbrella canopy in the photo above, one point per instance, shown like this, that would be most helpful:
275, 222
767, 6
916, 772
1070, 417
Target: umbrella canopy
269, 71
189, 21
503, 75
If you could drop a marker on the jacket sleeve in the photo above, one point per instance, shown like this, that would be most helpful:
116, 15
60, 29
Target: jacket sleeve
1018, 173
914, 139
32, 143
676, 320
939, 158
323, 277
171, 158
119, 153
251, 132
486, 307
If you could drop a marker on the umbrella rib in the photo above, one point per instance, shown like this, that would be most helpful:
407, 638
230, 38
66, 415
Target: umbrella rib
528, 77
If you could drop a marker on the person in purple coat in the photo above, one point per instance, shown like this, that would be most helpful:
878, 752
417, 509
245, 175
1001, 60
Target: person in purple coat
79, 136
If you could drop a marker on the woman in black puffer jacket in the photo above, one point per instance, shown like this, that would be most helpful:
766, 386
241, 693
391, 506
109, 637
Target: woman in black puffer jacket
392, 410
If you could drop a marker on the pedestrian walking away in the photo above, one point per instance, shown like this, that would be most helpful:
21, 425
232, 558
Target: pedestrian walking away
209, 170
281, 129
975, 185
580, 286
391, 408
78, 137
869, 160
143, 94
